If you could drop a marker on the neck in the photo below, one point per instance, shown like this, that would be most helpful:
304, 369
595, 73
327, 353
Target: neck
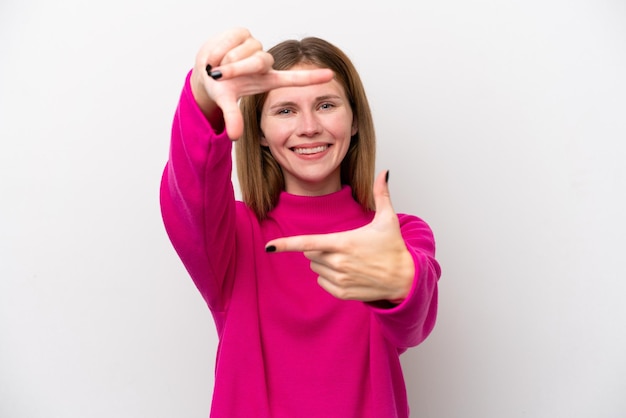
300, 187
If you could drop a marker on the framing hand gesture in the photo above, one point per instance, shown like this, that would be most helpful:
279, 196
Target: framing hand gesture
370, 263
233, 65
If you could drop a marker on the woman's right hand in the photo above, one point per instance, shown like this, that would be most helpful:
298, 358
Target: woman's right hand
245, 70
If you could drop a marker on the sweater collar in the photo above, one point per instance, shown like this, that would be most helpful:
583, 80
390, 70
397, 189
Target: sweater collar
320, 214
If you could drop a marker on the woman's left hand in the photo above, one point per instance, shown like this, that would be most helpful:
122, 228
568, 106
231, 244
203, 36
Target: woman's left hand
369, 264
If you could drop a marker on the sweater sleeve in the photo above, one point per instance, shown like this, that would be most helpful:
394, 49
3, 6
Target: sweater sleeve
409, 323
197, 200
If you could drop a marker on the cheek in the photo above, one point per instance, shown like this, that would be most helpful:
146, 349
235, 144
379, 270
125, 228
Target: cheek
275, 132
341, 129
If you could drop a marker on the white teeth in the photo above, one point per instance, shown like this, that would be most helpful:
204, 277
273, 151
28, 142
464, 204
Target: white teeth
307, 151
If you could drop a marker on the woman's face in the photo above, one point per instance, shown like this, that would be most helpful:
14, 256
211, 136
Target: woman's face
308, 131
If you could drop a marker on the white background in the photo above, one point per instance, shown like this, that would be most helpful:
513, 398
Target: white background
503, 124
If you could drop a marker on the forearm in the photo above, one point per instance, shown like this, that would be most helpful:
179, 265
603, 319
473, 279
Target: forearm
197, 198
409, 322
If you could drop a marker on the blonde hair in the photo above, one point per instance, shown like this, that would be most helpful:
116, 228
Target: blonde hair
260, 177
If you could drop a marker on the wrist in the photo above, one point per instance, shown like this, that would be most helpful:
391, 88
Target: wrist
405, 275
207, 105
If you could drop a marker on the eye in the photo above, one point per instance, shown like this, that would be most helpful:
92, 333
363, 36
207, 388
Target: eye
327, 106
283, 111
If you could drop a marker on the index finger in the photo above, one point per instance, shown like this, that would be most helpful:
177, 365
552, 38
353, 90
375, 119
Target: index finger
302, 243
264, 78
295, 78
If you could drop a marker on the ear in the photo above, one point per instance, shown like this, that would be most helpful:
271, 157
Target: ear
355, 127
263, 141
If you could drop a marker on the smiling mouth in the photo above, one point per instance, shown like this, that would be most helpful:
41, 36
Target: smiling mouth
309, 151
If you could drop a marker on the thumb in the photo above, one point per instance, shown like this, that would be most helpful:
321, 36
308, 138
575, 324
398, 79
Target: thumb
233, 120
382, 198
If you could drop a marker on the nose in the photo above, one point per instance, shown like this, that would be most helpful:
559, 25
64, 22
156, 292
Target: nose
309, 124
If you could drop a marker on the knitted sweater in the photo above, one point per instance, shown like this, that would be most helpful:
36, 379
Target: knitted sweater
286, 348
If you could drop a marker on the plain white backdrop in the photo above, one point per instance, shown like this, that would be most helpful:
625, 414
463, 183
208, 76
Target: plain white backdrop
503, 124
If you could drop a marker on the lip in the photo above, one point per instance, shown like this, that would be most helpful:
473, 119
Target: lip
309, 150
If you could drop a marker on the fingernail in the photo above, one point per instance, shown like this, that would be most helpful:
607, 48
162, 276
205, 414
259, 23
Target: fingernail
208, 69
270, 248
216, 75
387, 177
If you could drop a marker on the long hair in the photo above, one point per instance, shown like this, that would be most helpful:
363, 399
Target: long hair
260, 177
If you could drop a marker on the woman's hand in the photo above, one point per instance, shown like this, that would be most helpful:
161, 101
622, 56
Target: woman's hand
370, 263
240, 68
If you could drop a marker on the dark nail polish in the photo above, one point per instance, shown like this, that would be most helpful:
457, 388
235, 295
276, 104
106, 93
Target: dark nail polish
216, 75
208, 69
387, 177
270, 249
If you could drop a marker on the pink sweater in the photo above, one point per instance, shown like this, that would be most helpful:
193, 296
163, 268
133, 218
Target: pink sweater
286, 347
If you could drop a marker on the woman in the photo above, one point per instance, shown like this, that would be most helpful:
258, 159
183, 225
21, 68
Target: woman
315, 284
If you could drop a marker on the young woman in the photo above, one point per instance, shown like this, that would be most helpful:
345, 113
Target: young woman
315, 284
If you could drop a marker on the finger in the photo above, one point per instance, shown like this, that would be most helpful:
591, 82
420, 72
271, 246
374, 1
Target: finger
249, 47
334, 290
233, 119
294, 78
302, 243
346, 293
215, 50
382, 198
276, 79
259, 62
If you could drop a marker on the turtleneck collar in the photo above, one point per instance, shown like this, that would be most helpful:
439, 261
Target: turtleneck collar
320, 214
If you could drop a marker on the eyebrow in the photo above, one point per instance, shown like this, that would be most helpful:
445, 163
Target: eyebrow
317, 99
